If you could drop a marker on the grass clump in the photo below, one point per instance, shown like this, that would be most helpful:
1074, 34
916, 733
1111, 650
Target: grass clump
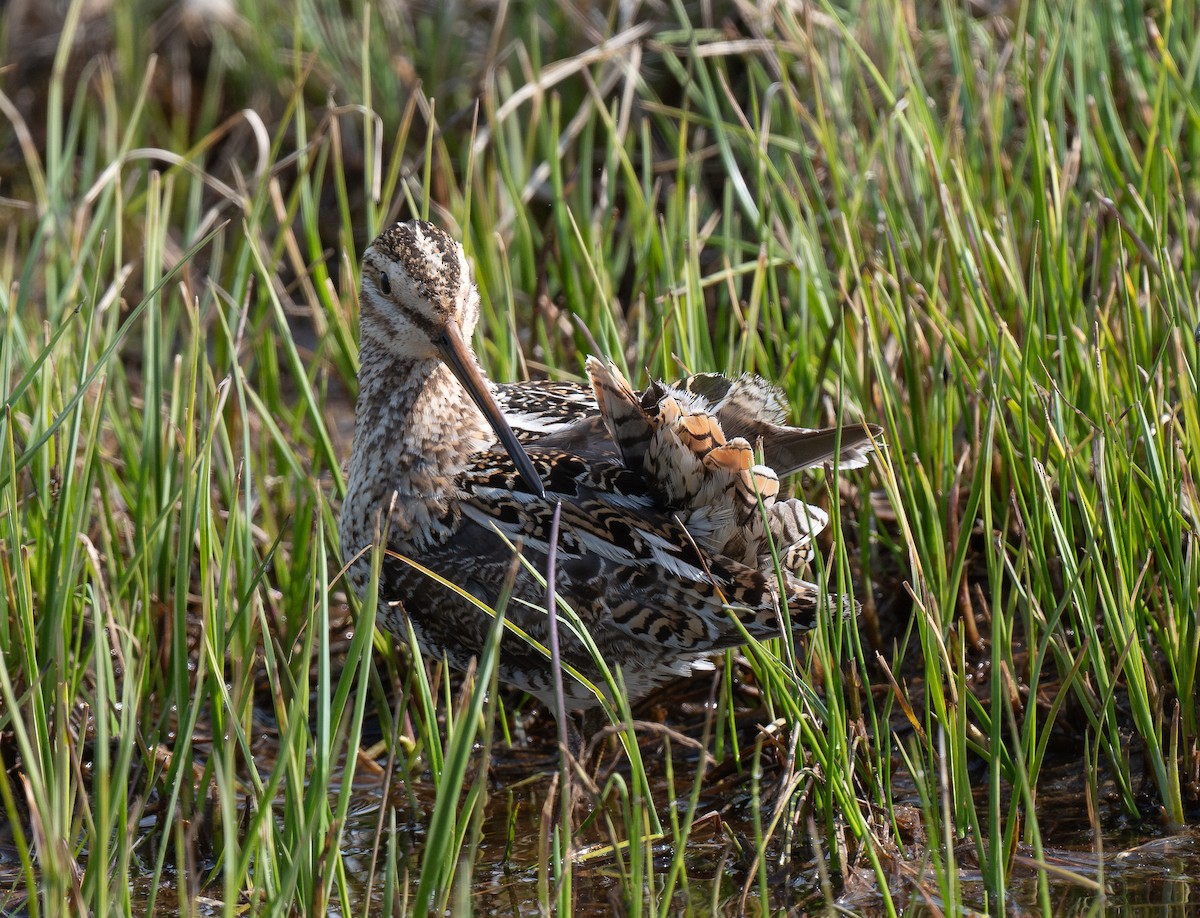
977, 227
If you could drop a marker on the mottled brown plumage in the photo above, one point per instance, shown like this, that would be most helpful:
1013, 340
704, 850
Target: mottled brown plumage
667, 522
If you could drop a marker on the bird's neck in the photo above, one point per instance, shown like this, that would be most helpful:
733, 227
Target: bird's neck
415, 427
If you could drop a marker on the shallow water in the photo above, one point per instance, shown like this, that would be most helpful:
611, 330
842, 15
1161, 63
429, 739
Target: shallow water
1139, 866
1134, 871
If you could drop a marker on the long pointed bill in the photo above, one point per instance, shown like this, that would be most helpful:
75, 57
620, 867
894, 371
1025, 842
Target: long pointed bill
462, 364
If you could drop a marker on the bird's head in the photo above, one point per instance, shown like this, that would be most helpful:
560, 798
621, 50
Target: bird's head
418, 302
416, 289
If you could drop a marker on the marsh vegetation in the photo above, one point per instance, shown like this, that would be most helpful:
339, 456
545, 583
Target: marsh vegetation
976, 224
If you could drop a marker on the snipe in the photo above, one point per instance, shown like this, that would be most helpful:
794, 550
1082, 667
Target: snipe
664, 549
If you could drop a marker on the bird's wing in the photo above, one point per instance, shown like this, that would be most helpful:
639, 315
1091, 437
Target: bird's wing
566, 415
624, 562
540, 409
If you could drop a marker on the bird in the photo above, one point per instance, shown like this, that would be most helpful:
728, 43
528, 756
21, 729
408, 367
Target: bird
672, 541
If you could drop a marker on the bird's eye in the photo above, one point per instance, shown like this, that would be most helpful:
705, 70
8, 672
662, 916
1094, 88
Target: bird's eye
385, 285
